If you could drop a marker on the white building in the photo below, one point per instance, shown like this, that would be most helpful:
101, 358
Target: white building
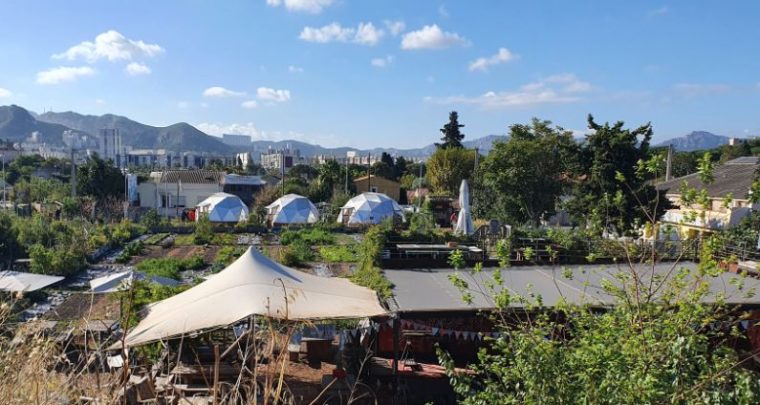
276, 159
111, 147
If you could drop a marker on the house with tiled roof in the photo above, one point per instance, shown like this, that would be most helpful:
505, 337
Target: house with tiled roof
170, 192
733, 178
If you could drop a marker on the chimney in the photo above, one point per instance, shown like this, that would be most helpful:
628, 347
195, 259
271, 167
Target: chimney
669, 163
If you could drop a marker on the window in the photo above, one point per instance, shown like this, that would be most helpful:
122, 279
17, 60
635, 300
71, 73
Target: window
373, 189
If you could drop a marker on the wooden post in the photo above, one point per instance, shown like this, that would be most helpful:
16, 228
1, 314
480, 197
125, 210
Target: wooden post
396, 332
216, 374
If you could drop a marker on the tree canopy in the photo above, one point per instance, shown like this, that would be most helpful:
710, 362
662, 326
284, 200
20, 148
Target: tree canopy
452, 136
523, 177
447, 167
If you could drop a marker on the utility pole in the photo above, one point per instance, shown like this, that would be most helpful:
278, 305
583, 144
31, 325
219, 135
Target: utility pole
4, 194
73, 175
282, 171
669, 163
346, 187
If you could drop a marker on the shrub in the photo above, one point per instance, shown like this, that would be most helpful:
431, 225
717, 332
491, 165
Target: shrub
311, 236
132, 249
296, 254
204, 231
338, 254
170, 267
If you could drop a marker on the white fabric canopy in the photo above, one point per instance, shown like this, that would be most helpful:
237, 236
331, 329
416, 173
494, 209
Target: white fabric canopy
464, 220
292, 209
223, 207
369, 208
254, 285
15, 281
118, 281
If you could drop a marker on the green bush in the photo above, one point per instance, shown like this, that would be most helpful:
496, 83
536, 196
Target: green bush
311, 236
170, 267
368, 274
132, 249
296, 254
338, 253
204, 231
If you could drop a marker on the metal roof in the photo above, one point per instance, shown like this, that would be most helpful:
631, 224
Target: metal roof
431, 290
188, 176
734, 176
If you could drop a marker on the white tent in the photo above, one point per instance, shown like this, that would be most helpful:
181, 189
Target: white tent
464, 220
15, 281
292, 209
254, 285
118, 281
223, 207
369, 208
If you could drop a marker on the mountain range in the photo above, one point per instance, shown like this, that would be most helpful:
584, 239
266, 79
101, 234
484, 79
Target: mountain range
17, 123
696, 140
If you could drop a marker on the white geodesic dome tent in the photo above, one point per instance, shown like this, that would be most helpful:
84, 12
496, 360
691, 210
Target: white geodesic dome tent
292, 209
222, 207
369, 208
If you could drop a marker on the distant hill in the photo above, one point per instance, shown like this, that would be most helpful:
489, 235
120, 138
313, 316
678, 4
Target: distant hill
177, 137
483, 144
17, 124
697, 140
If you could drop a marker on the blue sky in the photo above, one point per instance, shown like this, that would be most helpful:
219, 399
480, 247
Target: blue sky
386, 73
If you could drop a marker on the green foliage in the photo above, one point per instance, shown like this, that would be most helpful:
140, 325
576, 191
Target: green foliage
55, 261
368, 274
203, 232
447, 167
100, 179
311, 236
170, 267
338, 253
456, 259
522, 178
132, 249
296, 254
421, 223
452, 136
227, 255
612, 188
150, 219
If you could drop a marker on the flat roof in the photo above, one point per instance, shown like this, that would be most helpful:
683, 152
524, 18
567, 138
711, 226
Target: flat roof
431, 290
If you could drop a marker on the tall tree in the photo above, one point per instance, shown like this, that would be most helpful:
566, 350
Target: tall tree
522, 177
446, 169
100, 179
452, 136
613, 179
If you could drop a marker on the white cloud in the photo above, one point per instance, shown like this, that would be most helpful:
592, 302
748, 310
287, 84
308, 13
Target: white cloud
395, 27
442, 11
309, 6
364, 34
63, 74
249, 104
110, 45
183, 105
269, 94
482, 64
295, 69
5, 93
100, 101
367, 34
694, 89
217, 91
556, 89
136, 69
242, 129
382, 62
431, 37
658, 11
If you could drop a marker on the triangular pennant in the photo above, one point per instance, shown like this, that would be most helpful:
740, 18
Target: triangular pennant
434, 331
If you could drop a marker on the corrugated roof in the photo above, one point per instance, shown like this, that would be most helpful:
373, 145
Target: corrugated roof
243, 180
734, 176
431, 290
191, 176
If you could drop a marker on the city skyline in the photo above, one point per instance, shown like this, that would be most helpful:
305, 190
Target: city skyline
365, 75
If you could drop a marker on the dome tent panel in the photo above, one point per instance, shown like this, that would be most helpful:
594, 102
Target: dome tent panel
292, 209
369, 208
223, 207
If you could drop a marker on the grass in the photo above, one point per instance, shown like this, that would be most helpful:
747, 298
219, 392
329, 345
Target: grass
219, 239
170, 267
311, 236
338, 253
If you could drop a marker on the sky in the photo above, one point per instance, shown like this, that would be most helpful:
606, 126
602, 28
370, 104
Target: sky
386, 73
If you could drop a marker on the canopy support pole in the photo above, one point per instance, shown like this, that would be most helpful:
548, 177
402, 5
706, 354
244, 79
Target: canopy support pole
396, 333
